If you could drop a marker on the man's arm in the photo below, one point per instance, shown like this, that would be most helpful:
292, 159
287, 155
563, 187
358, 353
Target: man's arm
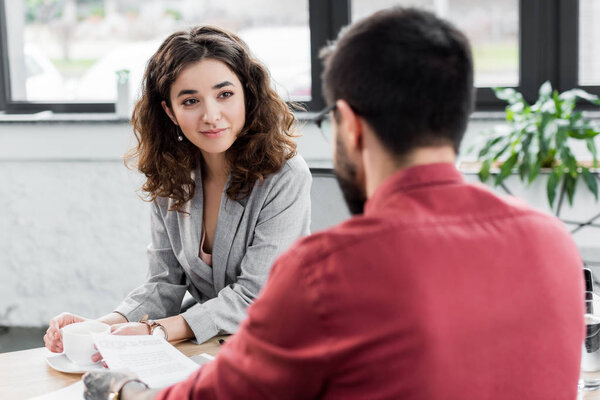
282, 350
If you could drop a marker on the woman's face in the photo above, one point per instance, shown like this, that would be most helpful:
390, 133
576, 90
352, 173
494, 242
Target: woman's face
207, 102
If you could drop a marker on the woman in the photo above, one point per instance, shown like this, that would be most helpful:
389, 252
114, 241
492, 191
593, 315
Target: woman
228, 192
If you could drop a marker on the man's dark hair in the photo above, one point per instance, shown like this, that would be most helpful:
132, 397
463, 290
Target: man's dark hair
408, 73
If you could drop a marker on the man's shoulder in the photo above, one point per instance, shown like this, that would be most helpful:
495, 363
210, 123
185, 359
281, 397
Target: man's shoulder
493, 205
335, 241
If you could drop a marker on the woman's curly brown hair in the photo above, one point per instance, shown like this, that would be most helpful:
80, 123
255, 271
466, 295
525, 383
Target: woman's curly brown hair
262, 147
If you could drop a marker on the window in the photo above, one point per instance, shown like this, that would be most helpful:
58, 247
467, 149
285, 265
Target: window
62, 54
589, 43
492, 27
69, 51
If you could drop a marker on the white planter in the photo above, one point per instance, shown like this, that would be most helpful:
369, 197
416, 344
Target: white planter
122, 104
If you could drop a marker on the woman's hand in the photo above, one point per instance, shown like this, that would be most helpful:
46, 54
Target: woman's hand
53, 338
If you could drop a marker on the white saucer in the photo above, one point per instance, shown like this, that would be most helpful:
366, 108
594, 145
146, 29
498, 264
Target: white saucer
61, 363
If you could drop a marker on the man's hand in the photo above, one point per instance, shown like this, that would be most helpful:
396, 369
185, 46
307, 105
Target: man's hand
99, 384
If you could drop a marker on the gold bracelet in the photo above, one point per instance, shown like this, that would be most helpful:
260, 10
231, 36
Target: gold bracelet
144, 320
116, 395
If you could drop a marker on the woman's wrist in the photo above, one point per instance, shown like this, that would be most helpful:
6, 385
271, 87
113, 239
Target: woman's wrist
113, 318
176, 327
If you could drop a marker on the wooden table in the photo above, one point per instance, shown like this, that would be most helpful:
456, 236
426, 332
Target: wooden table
25, 374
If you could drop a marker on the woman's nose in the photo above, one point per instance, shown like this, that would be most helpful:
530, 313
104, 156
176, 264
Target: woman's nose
211, 114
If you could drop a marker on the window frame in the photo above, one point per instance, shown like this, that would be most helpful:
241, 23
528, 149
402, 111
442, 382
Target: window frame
548, 50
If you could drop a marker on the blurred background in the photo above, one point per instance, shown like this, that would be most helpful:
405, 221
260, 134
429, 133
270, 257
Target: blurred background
70, 50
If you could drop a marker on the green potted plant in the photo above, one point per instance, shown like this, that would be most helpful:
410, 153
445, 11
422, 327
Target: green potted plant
541, 136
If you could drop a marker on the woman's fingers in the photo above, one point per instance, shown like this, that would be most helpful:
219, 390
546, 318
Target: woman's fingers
96, 357
53, 338
65, 319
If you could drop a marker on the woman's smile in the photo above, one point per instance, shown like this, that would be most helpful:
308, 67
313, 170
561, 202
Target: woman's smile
214, 133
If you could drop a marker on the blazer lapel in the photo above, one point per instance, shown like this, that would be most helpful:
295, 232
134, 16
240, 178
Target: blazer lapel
230, 214
196, 215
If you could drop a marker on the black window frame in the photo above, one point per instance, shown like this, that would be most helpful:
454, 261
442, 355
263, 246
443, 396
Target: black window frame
548, 50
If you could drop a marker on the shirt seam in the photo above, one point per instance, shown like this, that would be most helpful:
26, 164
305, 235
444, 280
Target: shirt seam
407, 227
313, 295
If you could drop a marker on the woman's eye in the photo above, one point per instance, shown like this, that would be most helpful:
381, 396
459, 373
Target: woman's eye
226, 94
189, 102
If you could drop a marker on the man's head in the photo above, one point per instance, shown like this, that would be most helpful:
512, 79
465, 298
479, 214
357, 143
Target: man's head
405, 74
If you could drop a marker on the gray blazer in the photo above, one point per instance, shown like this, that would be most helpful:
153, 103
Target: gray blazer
250, 234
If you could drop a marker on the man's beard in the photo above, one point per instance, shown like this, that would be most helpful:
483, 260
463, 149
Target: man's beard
346, 175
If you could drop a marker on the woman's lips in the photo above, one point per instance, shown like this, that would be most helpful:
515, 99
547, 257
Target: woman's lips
214, 133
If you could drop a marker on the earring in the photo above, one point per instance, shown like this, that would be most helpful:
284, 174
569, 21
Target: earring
180, 134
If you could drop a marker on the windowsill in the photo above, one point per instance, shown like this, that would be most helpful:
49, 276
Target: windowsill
50, 117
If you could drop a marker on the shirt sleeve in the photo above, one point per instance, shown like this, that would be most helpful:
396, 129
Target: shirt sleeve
281, 350
161, 294
284, 218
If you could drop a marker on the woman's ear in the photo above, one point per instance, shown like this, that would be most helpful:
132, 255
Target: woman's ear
169, 112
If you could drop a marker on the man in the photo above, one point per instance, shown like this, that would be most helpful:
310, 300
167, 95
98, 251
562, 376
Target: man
438, 289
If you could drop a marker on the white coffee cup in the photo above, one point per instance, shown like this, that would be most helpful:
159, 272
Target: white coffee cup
78, 343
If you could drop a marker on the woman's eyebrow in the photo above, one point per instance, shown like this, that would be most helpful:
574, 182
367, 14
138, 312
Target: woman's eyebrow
186, 91
222, 84
192, 91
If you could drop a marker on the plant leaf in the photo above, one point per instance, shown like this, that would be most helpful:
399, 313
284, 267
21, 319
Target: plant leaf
582, 94
545, 90
582, 134
570, 182
510, 115
488, 145
509, 95
484, 171
590, 181
551, 185
591, 145
557, 104
534, 170
499, 153
506, 168
516, 108
524, 168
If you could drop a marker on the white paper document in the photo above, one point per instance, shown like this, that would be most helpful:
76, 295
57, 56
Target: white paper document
152, 359
71, 392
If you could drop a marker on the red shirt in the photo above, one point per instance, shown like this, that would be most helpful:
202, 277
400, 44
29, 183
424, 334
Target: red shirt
441, 290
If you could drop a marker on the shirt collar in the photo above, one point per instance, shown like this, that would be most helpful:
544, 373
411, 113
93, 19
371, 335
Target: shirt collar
411, 178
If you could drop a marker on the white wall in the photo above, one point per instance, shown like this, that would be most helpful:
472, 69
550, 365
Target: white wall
73, 230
